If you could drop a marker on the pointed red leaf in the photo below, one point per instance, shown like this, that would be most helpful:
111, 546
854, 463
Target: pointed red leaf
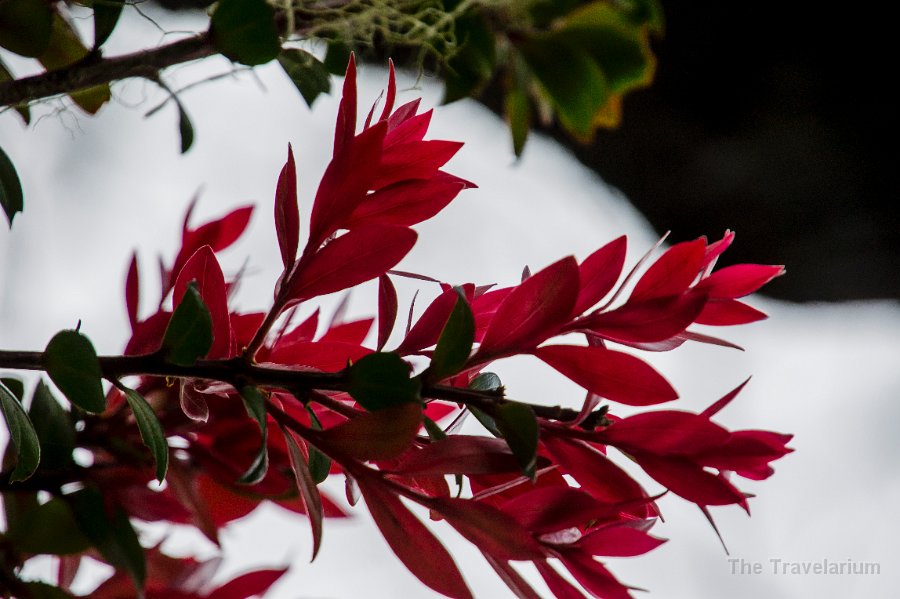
391, 92
381, 435
427, 329
345, 127
559, 586
599, 273
325, 356
647, 321
666, 432
309, 492
748, 453
738, 280
132, 291
716, 248
287, 212
217, 234
349, 332
489, 529
412, 542
251, 584
619, 540
533, 311
673, 272
203, 267
511, 578
592, 575
387, 309
345, 182
724, 312
723, 401
461, 454
357, 256
413, 160
690, 481
408, 202
611, 374
551, 509
406, 126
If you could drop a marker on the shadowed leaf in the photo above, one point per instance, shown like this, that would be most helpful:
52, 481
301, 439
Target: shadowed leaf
72, 364
151, 431
22, 434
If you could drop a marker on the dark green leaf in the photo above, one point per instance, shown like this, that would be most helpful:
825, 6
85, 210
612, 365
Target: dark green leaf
312, 500
72, 364
520, 429
152, 432
23, 437
49, 529
486, 421
518, 115
185, 129
244, 31
307, 73
54, 428
455, 344
106, 15
473, 63
15, 386
10, 188
255, 403
114, 536
66, 48
319, 463
25, 26
486, 381
434, 431
42, 590
189, 334
381, 380
337, 55
22, 109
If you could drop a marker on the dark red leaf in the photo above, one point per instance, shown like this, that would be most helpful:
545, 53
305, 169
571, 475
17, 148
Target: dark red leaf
599, 273
132, 291
203, 268
427, 329
738, 280
533, 311
217, 234
666, 432
716, 248
251, 584
489, 529
391, 92
747, 453
345, 127
648, 321
309, 492
353, 258
381, 435
349, 332
387, 309
317, 355
484, 307
287, 212
408, 202
551, 509
592, 575
412, 542
673, 272
619, 540
344, 184
511, 578
460, 454
405, 125
413, 160
687, 479
724, 312
724, 400
559, 586
611, 374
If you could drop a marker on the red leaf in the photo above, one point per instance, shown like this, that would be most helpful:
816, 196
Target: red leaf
614, 375
593, 576
349, 332
667, 432
461, 454
305, 331
738, 280
551, 509
511, 578
559, 586
673, 272
217, 234
533, 311
132, 291
412, 542
387, 309
427, 329
619, 540
353, 258
406, 126
318, 355
689, 480
748, 453
408, 202
203, 268
309, 492
484, 307
489, 529
391, 92
724, 400
251, 584
648, 321
345, 127
380, 435
287, 212
724, 312
599, 273
413, 160
344, 184
716, 248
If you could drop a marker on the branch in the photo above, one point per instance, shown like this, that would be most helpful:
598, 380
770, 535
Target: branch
239, 371
96, 70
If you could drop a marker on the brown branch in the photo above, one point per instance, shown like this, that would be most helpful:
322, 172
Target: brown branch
96, 70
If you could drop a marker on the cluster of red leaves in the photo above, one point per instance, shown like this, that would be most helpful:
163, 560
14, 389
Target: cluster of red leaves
542, 489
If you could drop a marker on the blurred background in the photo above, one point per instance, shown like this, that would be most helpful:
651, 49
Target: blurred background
759, 121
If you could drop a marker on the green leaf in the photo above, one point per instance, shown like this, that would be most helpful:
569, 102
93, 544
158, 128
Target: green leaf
106, 16
337, 55
381, 380
455, 343
319, 463
72, 364
151, 430
435, 432
518, 115
486, 381
185, 129
470, 68
54, 428
15, 386
307, 73
189, 334
65, 48
10, 188
244, 31
519, 427
42, 590
22, 109
49, 529
114, 537
255, 403
25, 26
22, 435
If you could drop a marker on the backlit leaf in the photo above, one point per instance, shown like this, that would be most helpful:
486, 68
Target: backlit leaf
72, 364
24, 439
381, 435
287, 212
152, 433
387, 309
